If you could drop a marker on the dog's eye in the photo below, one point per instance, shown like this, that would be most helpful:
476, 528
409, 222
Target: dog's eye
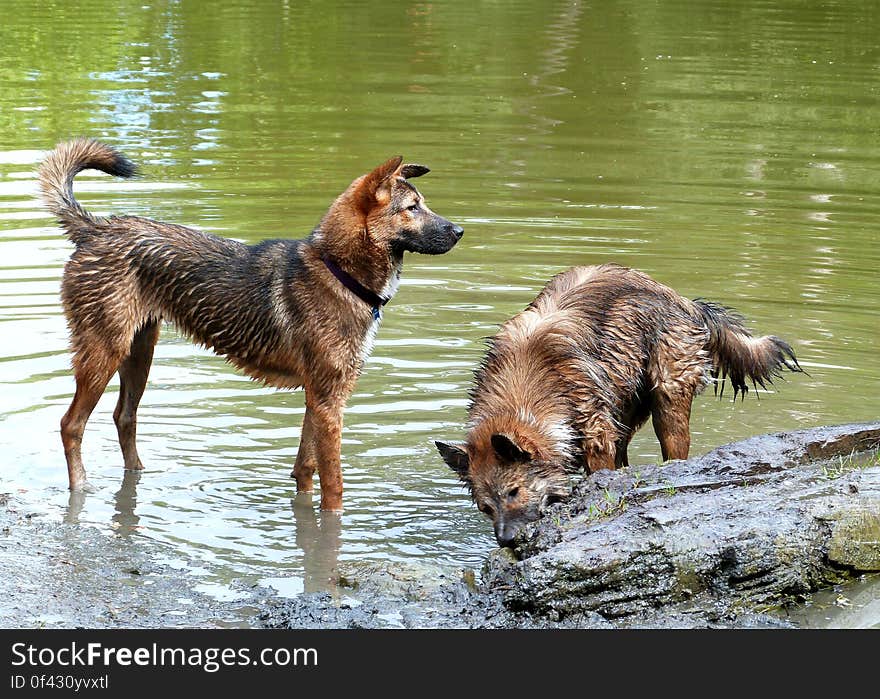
513, 493
413, 207
486, 510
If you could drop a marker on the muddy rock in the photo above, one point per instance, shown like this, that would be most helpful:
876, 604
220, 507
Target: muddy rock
397, 596
717, 539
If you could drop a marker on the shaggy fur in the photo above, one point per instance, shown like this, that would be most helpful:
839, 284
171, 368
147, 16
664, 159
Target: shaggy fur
289, 313
567, 382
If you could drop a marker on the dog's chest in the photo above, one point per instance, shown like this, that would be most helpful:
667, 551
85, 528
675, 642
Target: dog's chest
388, 291
368, 341
393, 283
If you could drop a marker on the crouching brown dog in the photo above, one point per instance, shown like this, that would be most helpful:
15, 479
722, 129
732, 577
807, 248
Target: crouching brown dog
290, 313
567, 382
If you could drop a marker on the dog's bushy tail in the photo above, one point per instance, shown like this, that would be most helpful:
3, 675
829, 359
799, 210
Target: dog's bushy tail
58, 170
739, 356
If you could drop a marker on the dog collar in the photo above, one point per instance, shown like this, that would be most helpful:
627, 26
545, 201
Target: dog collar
355, 287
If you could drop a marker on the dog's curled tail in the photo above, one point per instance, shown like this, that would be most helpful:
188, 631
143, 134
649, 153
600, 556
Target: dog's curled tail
737, 355
58, 170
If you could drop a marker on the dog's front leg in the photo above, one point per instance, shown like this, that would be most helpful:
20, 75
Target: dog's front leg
599, 453
306, 461
599, 460
325, 412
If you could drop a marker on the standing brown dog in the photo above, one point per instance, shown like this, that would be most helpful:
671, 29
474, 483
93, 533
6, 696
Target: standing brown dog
567, 382
289, 313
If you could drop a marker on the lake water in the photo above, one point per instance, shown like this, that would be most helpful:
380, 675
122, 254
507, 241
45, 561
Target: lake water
730, 150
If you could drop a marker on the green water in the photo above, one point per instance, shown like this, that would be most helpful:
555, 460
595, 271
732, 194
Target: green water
731, 150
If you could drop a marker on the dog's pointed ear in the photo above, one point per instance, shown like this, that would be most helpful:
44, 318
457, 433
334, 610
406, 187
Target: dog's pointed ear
384, 171
508, 450
367, 193
411, 170
456, 458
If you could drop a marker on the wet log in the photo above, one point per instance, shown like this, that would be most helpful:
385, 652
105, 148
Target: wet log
749, 526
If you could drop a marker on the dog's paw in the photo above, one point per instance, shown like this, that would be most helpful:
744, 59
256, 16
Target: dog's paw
83, 487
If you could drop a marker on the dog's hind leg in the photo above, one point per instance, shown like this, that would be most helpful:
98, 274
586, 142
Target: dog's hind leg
671, 420
133, 374
92, 371
306, 463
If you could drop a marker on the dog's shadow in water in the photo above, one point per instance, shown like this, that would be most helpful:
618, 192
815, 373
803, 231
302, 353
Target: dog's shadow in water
318, 536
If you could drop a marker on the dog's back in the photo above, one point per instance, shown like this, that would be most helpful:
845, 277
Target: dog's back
602, 347
227, 296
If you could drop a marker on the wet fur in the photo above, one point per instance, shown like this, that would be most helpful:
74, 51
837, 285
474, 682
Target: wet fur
566, 384
274, 309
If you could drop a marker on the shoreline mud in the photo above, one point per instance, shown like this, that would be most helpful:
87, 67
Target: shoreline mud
776, 531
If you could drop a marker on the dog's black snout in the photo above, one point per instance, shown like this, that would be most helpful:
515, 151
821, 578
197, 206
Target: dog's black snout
505, 541
458, 231
505, 534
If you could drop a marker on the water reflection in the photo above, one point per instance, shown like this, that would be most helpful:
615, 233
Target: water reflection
125, 519
318, 536
76, 500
